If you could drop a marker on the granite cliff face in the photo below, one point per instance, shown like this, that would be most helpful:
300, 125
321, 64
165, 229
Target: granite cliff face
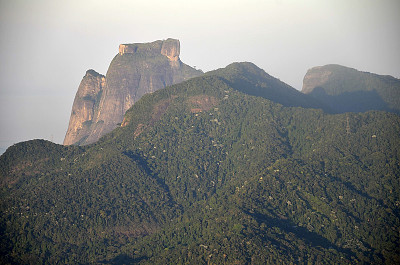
345, 89
85, 106
137, 69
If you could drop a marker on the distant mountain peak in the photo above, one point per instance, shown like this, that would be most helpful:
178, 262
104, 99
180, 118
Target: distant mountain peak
137, 69
92, 72
248, 78
346, 89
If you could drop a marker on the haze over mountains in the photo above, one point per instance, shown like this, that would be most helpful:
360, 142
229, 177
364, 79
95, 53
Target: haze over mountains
141, 68
229, 167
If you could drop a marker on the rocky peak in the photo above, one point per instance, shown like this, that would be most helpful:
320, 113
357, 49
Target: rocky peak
345, 89
315, 77
84, 107
137, 69
171, 49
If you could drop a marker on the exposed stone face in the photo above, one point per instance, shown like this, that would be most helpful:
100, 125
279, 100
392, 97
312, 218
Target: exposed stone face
125, 48
84, 107
171, 49
315, 77
136, 70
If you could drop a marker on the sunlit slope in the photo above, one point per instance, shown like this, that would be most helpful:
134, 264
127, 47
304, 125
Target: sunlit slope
204, 172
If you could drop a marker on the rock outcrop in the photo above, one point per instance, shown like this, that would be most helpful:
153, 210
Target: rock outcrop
345, 89
171, 49
85, 106
137, 69
315, 77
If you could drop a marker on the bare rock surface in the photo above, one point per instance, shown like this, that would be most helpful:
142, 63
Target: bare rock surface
137, 69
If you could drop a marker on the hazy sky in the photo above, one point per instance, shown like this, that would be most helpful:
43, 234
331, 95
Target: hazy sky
46, 46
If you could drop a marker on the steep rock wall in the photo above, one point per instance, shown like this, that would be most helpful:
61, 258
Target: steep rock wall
85, 106
136, 70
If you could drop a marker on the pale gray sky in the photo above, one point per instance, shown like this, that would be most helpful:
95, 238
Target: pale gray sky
46, 46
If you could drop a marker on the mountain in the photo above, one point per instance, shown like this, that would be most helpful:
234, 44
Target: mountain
85, 107
248, 78
101, 101
204, 172
345, 89
2, 150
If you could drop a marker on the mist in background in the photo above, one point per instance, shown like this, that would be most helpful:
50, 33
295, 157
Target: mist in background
47, 46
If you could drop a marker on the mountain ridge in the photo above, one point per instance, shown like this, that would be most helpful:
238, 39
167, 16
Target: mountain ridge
346, 89
333, 88
204, 173
255, 81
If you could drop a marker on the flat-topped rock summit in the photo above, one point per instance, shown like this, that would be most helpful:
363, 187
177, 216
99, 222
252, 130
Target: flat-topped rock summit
169, 48
139, 68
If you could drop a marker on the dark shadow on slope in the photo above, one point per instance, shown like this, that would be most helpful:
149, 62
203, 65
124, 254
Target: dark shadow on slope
275, 91
358, 101
249, 79
123, 259
143, 163
288, 226
351, 187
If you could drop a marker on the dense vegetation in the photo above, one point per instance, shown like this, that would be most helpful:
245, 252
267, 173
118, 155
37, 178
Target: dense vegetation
203, 173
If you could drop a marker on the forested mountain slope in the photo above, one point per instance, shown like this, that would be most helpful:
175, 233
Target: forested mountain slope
202, 172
